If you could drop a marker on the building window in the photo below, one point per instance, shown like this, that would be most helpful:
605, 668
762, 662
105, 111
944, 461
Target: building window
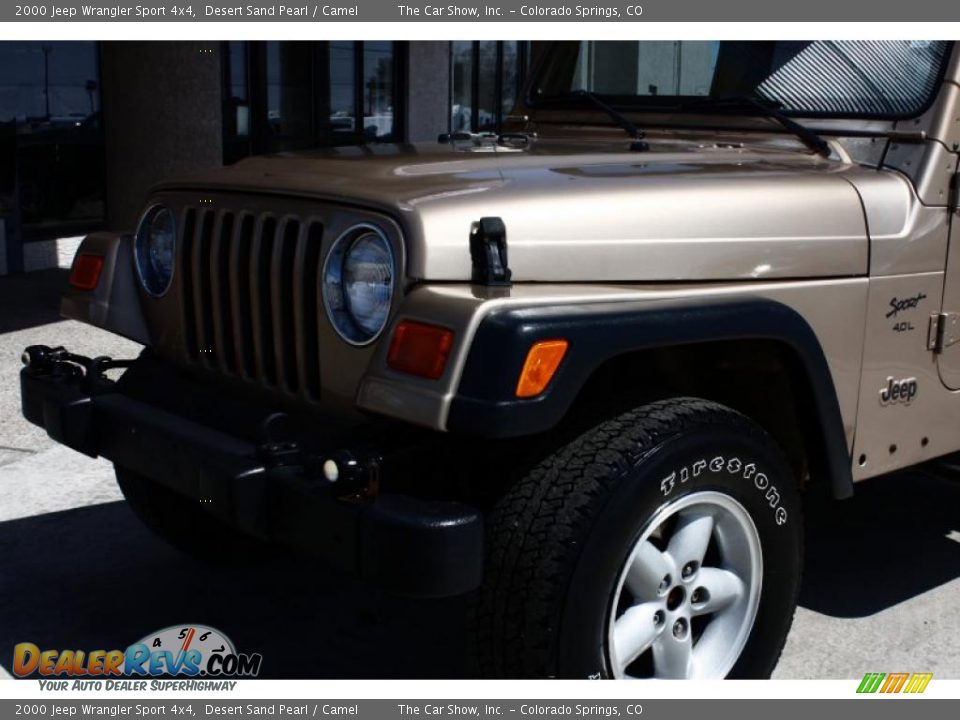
379, 88
342, 78
486, 78
51, 144
296, 95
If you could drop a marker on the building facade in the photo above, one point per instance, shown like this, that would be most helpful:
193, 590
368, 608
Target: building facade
87, 128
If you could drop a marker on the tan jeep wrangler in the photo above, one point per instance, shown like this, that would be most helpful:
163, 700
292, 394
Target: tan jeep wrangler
588, 369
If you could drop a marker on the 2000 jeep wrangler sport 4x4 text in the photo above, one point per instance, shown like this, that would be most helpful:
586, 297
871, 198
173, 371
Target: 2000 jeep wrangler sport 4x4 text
588, 368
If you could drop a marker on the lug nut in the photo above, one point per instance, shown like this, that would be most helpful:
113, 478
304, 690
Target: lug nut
699, 596
658, 618
689, 569
665, 584
680, 629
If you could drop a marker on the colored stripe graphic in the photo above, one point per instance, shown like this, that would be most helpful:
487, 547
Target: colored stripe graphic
870, 682
918, 682
894, 682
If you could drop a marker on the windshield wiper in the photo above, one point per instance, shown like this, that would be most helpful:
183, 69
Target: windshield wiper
770, 110
638, 144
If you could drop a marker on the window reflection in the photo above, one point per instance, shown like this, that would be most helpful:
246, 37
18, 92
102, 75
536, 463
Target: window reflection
461, 110
343, 96
487, 115
238, 96
290, 92
676, 68
377, 90
485, 82
511, 76
51, 145
293, 95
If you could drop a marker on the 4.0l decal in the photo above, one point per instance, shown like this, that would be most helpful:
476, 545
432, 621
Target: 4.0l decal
898, 305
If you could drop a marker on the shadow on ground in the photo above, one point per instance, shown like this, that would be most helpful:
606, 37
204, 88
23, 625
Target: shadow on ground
889, 543
30, 300
95, 578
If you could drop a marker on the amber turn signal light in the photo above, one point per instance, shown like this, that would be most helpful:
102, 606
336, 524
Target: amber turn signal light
85, 273
540, 366
420, 349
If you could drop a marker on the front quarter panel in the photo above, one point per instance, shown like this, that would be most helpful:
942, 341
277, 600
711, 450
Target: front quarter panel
115, 303
821, 320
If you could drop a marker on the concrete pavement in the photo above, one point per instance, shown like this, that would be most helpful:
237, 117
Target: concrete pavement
881, 590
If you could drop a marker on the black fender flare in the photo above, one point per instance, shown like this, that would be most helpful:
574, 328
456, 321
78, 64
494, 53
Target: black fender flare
485, 404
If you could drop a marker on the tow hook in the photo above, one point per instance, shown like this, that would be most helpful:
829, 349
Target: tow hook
355, 473
275, 449
351, 474
60, 361
45, 359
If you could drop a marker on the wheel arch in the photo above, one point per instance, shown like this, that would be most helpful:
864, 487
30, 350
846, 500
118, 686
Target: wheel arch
753, 355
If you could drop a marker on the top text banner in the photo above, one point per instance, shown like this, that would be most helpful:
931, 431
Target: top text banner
490, 11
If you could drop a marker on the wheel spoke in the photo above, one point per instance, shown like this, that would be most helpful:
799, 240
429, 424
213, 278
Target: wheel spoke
671, 614
647, 569
672, 657
634, 632
691, 538
723, 588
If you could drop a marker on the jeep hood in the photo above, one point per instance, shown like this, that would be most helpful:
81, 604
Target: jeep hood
592, 212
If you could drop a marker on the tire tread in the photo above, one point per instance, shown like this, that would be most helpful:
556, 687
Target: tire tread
536, 528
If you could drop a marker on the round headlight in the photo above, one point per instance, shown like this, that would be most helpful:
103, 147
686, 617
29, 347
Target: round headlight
358, 283
155, 249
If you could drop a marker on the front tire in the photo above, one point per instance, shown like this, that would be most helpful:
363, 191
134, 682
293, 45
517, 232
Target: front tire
663, 543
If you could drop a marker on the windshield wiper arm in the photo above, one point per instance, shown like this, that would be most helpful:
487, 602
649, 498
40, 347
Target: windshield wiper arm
807, 136
632, 130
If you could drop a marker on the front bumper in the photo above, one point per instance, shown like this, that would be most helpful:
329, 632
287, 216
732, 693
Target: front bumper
404, 544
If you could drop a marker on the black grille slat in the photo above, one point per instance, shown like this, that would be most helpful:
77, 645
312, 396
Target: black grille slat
305, 305
240, 296
250, 298
282, 286
220, 292
201, 286
261, 261
185, 263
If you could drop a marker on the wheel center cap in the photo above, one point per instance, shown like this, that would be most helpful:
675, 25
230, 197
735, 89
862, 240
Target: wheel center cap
675, 598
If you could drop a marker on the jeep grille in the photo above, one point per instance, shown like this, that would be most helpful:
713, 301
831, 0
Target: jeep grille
249, 289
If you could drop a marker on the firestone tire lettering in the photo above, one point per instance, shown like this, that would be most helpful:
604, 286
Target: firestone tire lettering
733, 466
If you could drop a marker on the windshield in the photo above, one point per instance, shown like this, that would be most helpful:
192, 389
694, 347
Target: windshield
888, 79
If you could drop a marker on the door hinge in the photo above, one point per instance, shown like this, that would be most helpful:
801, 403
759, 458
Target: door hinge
944, 331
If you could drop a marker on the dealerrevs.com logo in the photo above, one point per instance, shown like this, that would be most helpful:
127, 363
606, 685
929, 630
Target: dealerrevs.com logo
898, 682
193, 651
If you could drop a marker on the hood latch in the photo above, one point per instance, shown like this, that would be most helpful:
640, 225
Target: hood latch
488, 252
